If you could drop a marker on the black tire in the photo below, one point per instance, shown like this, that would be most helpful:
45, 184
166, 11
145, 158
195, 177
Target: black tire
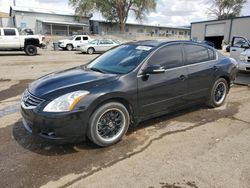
69, 47
113, 118
218, 93
91, 50
30, 50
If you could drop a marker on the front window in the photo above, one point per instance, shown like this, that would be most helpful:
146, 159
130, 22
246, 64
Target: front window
120, 60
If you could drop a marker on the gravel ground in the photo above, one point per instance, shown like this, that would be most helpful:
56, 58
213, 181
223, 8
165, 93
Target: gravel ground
195, 147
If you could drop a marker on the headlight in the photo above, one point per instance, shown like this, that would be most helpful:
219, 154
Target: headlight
66, 102
243, 57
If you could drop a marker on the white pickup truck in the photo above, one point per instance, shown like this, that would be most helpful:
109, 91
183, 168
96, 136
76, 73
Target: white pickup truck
10, 39
240, 51
73, 42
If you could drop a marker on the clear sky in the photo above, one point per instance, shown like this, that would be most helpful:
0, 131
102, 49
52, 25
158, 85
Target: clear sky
168, 12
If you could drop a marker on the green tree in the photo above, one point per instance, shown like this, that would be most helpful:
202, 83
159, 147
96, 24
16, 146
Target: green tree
115, 10
224, 9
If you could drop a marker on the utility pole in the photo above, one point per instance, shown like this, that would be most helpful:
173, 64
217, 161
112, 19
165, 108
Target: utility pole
14, 2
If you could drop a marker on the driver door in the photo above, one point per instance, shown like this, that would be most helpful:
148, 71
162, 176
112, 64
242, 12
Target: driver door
78, 41
239, 45
157, 93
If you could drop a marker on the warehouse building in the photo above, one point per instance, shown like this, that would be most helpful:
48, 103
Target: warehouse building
221, 31
48, 22
52, 22
104, 27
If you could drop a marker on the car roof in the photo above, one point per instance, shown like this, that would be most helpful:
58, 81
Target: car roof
159, 43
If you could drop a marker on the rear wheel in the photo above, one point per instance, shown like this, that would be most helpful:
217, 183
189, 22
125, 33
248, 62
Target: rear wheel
218, 93
30, 50
108, 124
69, 47
90, 51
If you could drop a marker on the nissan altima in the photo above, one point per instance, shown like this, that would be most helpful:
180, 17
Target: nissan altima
124, 86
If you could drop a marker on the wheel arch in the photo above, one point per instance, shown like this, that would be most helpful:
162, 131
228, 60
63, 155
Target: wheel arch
90, 48
227, 78
121, 99
31, 41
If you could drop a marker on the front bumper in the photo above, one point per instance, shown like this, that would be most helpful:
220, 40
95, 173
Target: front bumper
56, 127
62, 45
244, 66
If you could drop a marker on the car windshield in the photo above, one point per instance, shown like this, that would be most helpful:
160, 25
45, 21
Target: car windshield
93, 42
120, 60
71, 38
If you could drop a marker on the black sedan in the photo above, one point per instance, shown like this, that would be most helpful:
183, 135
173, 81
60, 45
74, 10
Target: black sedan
124, 86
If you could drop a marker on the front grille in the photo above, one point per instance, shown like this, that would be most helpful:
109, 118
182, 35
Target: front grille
248, 60
30, 100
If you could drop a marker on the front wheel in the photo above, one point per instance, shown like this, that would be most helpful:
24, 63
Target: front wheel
108, 124
218, 93
69, 47
30, 50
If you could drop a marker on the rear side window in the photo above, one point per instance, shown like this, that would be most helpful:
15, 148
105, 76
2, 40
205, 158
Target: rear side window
197, 54
85, 38
9, 32
169, 57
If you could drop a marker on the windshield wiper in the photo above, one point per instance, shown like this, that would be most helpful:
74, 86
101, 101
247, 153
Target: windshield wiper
96, 69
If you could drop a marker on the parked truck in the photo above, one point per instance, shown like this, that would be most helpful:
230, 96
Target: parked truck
240, 51
11, 40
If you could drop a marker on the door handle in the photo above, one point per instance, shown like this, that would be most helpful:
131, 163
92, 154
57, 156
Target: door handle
234, 50
182, 77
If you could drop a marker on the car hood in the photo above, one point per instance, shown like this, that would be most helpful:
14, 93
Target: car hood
246, 53
59, 83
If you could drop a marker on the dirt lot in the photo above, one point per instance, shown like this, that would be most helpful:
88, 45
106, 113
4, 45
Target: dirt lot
197, 147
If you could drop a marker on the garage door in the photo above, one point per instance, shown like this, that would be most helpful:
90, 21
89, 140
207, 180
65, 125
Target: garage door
215, 30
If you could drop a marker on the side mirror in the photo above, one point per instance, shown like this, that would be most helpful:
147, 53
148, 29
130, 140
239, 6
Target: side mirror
153, 69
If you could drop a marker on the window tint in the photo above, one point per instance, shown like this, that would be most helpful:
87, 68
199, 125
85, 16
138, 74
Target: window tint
168, 57
85, 38
196, 53
78, 38
9, 32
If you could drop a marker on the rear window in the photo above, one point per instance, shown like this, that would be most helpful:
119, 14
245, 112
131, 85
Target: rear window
197, 54
85, 38
9, 32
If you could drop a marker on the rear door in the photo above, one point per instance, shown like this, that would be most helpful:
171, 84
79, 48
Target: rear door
85, 39
10, 39
239, 45
201, 65
160, 92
